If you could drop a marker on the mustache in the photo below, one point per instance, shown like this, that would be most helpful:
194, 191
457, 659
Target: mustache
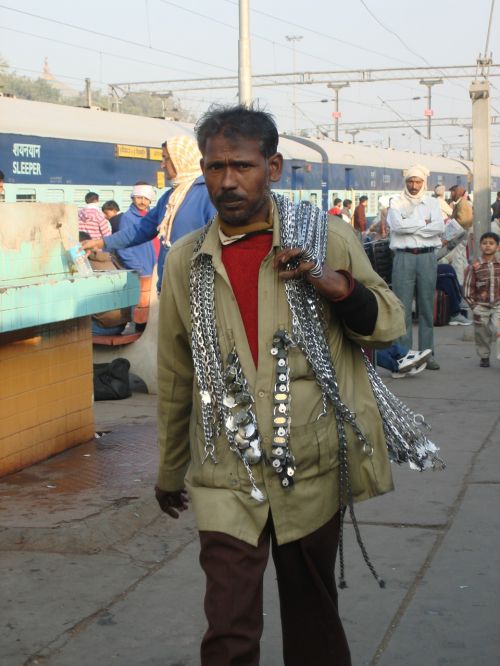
228, 197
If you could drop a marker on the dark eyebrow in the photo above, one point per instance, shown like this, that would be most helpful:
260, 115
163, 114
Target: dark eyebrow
236, 162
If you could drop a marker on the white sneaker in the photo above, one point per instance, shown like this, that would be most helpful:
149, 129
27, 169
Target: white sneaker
417, 369
459, 320
412, 359
399, 375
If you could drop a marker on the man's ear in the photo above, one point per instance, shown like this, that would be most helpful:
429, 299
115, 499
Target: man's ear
275, 163
201, 164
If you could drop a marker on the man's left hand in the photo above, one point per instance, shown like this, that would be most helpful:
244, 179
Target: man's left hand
172, 502
332, 284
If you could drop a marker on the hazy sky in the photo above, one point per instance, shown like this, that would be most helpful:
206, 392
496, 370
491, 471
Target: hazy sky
146, 40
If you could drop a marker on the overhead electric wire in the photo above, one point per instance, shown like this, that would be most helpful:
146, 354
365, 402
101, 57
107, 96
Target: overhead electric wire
100, 51
233, 27
333, 38
392, 32
118, 39
401, 117
489, 29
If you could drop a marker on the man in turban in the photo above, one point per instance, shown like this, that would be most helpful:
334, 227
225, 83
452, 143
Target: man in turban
416, 225
183, 208
140, 258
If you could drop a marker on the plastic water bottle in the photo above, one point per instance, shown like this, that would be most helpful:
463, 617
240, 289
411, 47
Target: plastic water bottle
79, 260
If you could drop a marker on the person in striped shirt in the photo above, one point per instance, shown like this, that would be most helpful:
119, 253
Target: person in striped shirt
482, 293
91, 219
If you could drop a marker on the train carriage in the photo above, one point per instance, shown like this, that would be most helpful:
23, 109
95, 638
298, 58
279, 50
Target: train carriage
56, 153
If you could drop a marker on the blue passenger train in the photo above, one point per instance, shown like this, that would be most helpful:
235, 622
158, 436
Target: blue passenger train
55, 153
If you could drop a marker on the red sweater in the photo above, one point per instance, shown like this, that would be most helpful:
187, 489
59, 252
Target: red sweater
242, 261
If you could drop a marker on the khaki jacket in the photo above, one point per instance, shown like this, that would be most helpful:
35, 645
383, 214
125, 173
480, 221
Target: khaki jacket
220, 493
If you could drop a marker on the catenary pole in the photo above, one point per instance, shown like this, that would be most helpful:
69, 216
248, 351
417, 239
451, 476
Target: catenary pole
244, 62
481, 140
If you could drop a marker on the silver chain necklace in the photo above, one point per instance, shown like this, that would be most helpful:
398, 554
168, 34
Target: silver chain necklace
305, 226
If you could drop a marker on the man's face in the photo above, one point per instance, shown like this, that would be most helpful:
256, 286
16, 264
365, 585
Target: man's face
488, 246
141, 203
414, 185
1, 187
238, 178
109, 213
167, 165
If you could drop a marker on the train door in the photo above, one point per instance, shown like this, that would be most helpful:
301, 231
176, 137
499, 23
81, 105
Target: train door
297, 180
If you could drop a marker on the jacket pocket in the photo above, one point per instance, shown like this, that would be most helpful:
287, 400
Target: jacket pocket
315, 447
300, 367
222, 474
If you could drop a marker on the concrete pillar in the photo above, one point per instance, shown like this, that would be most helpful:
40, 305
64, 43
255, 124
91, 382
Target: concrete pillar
244, 62
481, 127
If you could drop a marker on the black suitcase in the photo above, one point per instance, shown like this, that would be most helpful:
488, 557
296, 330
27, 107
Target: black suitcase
441, 308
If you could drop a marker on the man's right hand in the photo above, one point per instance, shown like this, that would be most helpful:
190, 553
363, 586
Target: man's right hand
93, 244
172, 501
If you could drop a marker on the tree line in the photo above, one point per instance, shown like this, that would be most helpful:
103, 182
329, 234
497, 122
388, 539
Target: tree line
41, 90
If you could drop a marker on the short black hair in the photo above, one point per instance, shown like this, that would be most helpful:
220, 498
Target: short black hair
337, 201
110, 205
490, 234
91, 197
346, 202
362, 198
238, 121
2, 175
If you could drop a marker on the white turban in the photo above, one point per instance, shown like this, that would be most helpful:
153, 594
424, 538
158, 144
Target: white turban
143, 191
417, 171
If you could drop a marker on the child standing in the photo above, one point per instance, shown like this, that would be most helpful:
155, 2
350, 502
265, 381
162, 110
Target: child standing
482, 293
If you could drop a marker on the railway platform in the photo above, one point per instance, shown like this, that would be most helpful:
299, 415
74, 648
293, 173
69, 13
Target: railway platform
93, 572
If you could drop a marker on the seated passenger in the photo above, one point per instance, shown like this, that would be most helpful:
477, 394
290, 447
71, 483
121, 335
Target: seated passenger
447, 281
140, 258
183, 208
111, 322
402, 362
111, 211
91, 219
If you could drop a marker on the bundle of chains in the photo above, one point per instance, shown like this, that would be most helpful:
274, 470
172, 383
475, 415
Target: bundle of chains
303, 226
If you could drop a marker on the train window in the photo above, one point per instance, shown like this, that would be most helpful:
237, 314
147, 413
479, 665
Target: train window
79, 197
387, 178
54, 195
25, 195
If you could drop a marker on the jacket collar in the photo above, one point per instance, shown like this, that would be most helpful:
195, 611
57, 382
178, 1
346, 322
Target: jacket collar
212, 245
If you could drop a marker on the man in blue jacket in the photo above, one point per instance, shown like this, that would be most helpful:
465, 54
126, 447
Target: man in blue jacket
182, 209
140, 258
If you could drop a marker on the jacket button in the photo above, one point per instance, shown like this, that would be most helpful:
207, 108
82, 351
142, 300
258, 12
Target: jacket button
262, 394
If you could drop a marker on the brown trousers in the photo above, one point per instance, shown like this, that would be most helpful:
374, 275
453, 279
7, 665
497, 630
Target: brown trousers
311, 627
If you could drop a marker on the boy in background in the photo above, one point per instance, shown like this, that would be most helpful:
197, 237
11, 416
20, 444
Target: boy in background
482, 293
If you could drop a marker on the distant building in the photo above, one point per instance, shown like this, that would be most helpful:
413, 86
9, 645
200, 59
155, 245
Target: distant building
64, 89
